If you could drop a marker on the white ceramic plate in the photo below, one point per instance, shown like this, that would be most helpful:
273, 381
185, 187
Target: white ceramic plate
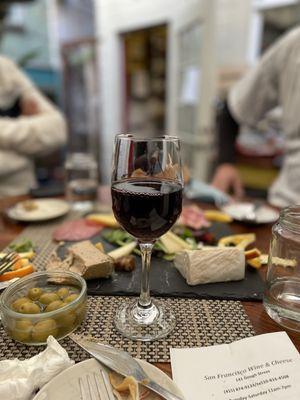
45, 209
264, 214
65, 386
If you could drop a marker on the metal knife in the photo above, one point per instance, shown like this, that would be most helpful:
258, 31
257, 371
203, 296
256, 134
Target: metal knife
122, 363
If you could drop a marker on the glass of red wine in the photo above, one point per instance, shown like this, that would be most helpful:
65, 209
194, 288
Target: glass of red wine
146, 190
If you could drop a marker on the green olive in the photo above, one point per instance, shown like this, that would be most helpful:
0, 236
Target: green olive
63, 293
43, 329
81, 310
71, 298
66, 320
47, 298
29, 308
55, 305
17, 303
22, 331
35, 293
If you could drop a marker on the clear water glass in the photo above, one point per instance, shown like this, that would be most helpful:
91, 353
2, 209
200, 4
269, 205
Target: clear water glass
282, 292
81, 182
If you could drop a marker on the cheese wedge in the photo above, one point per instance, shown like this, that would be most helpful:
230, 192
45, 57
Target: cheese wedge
211, 265
104, 219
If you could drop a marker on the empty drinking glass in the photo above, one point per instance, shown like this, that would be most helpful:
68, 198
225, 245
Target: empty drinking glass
282, 293
81, 180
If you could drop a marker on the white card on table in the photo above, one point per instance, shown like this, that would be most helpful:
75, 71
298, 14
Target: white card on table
264, 367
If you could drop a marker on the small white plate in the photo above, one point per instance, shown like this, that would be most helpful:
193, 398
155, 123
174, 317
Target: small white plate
45, 209
264, 214
65, 386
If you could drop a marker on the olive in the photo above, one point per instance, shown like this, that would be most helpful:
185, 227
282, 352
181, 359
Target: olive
63, 292
43, 329
71, 298
29, 308
17, 303
35, 293
55, 305
47, 298
67, 319
81, 309
22, 331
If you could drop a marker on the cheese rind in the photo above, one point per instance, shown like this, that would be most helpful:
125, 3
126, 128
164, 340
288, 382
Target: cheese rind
211, 265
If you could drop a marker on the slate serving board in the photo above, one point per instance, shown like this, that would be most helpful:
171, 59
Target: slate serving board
165, 280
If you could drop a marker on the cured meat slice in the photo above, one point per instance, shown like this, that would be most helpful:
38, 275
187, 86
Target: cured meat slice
79, 229
193, 217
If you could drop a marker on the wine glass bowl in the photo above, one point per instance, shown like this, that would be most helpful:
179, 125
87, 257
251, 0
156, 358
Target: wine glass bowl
146, 190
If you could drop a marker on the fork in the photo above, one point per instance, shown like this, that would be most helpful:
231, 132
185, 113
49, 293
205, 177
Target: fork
94, 386
8, 261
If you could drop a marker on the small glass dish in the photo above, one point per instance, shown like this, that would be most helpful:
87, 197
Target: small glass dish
34, 328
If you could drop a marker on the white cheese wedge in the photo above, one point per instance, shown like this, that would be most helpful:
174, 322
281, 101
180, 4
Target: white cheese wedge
211, 265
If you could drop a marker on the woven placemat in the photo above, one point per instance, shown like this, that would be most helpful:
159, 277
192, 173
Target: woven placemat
199, 323
41, 235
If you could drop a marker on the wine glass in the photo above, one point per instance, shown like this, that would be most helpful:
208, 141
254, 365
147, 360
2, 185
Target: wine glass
146, 190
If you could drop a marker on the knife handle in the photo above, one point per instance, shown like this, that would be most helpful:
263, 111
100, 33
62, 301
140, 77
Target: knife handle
162, 391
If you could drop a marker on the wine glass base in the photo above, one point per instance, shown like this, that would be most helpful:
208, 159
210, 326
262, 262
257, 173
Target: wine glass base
145, 323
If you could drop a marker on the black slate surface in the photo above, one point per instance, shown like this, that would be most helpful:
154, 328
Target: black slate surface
165, 280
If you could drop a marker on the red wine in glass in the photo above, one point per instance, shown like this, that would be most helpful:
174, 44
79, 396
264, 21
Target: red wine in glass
146, 189
146, 208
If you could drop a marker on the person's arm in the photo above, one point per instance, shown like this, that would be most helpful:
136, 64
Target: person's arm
227, 132
226, 177
31, 134
10, 163
248, 102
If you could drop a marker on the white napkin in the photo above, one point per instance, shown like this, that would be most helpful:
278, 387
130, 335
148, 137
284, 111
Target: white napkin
18, 379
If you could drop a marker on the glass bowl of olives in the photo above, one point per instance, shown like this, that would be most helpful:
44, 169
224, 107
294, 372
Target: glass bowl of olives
43, 304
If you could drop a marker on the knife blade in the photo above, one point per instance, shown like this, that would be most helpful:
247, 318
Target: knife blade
122, 363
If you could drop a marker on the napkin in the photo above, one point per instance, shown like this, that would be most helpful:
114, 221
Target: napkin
19, 379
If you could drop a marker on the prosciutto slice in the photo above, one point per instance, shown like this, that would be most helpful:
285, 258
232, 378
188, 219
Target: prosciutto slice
193, 217
80, 229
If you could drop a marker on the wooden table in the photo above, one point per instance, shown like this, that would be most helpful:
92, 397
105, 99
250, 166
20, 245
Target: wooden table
261, 322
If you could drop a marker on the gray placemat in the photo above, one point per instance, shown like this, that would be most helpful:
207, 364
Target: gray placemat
199, 323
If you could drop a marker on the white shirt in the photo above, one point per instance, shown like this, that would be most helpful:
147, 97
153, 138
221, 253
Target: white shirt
275, 81
24, 137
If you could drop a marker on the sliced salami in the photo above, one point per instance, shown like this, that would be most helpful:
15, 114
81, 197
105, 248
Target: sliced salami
76, 230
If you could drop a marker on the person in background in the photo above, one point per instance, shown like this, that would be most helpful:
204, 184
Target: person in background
275, 81
29, 126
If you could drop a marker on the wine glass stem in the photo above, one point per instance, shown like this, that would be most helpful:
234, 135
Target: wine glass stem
146, 250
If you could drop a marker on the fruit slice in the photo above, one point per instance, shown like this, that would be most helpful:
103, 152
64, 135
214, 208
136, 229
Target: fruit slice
240, 241
254, 262
18, 273
104, 219
217, 216
122, 251
252, 253
174, 243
